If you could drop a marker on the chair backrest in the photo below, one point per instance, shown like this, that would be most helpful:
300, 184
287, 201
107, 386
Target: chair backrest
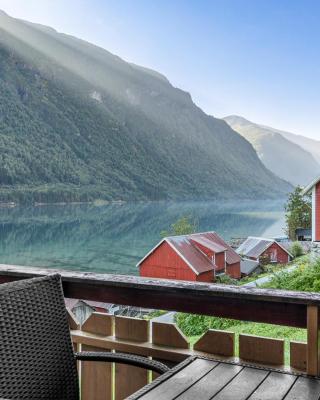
36, 353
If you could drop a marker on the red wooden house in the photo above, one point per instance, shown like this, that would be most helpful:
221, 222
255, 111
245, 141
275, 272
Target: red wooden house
314, 188
196, 257
262, 249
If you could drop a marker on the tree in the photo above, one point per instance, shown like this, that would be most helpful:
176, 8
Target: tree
298, 212
183, 226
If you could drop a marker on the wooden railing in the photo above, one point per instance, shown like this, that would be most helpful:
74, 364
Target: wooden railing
165, 341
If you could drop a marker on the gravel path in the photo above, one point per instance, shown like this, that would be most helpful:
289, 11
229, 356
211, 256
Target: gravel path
267, 278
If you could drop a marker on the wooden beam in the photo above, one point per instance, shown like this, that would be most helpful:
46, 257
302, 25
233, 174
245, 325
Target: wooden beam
298, 355
242, 303
216, 342
313, 340
261, 349
168, 335
146, 349
129, 379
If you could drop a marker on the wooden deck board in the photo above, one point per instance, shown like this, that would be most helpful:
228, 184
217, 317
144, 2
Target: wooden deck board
211, 383
304, 389
181, 381
242, 385
274, 387
206, 379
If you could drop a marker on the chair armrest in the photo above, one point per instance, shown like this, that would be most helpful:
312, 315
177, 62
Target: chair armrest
122, 358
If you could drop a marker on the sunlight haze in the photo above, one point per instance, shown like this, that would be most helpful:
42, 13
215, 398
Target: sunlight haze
254, 59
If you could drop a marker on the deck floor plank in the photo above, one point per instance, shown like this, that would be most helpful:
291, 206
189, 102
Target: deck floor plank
274, 387
204, 379
181, 381
211, 383
304, 389
242, 385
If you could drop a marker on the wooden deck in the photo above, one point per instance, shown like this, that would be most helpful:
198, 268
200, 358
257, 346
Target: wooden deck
203, 379
234, 354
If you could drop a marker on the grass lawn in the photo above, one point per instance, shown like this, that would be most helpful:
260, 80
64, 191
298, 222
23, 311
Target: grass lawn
274, 331
266, 330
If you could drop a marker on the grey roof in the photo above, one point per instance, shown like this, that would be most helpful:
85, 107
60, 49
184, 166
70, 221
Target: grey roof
248, 266
72, 303
254, 246
308, 188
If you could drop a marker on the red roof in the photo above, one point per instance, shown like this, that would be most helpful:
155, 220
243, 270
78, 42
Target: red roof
232, 256
185, 246
191, 254
209, 244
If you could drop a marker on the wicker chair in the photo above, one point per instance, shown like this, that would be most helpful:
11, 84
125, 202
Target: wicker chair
37, 360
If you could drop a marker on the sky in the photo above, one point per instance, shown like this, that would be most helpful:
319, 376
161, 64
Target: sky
254, 58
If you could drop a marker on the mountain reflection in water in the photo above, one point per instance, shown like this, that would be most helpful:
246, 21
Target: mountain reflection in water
112, 238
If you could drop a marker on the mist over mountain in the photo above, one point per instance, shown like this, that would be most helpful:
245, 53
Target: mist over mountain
79, 123
279, 153
308, 144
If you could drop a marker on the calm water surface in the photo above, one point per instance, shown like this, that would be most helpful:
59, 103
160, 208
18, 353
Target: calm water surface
112, 238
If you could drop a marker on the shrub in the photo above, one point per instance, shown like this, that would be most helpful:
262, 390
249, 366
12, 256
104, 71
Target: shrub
305, 278
194, 325
296, 249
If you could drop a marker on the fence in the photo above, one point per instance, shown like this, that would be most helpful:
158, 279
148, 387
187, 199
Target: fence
164, 342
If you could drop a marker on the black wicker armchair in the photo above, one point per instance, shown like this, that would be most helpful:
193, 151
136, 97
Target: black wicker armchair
37, 360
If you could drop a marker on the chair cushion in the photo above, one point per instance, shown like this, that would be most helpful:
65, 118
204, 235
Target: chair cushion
36, 353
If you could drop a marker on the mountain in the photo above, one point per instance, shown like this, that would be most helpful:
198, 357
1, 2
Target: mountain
79, 123
308, 144
279, 154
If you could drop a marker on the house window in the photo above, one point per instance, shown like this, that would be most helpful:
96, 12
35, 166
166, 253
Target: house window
274, 255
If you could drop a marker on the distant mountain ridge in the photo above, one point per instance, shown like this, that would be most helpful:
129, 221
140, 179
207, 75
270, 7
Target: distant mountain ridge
277, 151
79, 123
308, 144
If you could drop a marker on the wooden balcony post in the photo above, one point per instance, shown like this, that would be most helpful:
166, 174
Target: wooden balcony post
313, 340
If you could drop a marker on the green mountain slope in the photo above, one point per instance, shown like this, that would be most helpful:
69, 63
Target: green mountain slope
283, 157
78, 123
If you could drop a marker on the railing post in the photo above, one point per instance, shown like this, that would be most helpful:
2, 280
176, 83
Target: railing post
313, 340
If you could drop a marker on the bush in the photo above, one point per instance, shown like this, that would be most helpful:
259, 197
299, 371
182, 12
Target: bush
306, 278
296, 249
194, 325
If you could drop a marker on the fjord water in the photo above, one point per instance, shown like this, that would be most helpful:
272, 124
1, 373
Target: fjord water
112, 238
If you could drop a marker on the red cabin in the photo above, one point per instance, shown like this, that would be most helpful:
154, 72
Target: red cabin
314, 188
196, 257
262, 249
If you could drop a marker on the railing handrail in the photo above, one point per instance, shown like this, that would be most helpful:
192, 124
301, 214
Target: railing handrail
242, 303
297, 309
131, 281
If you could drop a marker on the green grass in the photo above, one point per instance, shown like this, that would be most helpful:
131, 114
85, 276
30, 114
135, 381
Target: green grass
305, 278
268, 270
264, 330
